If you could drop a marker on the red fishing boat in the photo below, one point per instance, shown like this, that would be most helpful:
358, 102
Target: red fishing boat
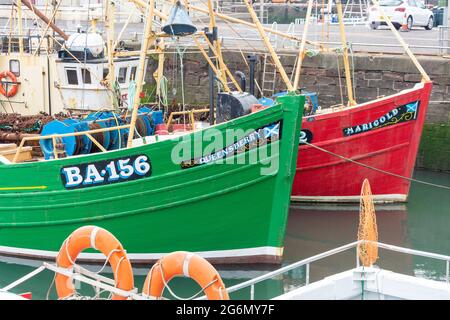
382, 134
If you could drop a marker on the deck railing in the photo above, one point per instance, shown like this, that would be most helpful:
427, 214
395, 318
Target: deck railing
89, 133
306, 263
73, 134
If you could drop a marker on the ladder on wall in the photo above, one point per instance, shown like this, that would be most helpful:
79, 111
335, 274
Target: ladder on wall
269, 76
355, 9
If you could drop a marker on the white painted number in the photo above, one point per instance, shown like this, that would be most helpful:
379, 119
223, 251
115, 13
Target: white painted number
141, 165
112, 172
303, 137
125, 169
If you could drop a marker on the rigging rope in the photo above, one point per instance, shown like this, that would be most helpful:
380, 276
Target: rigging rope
339, 79
166, 285
376, 169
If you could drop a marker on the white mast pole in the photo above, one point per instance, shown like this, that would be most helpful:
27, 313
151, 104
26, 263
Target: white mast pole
148, 38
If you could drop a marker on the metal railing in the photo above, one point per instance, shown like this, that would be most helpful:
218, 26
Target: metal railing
443, 41
54, 137
100, 282
363, 46
80, 274
307, 262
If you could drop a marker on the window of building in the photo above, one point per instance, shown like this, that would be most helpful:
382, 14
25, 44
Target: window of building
105, 73
86, 74
133, 73
14, 67
72, 77
122, 75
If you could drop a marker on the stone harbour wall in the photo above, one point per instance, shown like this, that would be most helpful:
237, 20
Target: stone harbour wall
374, 75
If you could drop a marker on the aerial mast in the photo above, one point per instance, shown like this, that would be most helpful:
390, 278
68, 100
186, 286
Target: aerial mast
269, 47
109, 25
148, 38
19, 24
348, 78
301, 53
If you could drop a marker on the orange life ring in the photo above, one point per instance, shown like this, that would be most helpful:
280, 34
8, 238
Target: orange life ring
99, 239
14, 88
190, 265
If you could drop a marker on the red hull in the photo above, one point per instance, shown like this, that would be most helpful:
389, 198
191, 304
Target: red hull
384, 134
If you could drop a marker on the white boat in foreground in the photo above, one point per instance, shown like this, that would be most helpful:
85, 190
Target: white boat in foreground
359, 283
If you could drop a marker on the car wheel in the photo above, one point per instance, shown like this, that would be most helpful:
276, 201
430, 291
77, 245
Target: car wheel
397, 25
409, 23
374, 25
429, 26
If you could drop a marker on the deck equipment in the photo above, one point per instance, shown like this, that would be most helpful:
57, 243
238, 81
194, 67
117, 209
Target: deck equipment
179, 22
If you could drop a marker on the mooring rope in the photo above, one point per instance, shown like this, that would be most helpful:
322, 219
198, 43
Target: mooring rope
377, 169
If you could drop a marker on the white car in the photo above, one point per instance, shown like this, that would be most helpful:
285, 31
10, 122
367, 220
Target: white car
406, 13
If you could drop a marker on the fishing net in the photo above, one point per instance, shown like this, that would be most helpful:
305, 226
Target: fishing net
367, 229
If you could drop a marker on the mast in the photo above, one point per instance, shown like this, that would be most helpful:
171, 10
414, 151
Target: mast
43, 17
109, 25
215, 43
216, 49
19, 22
11, 25
351, 100
148, 38
269, 47
210, 36
160, 71
301, 53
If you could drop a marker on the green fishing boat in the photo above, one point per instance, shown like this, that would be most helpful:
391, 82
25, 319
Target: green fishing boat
226, 200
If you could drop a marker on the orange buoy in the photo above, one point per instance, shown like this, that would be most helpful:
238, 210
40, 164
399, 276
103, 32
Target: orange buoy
257, 107
14, 88
182, 263
99, 239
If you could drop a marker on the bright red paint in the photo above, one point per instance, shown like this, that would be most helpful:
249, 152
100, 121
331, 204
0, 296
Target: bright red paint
392, 148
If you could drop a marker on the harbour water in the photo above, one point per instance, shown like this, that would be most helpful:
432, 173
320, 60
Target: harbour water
420, 224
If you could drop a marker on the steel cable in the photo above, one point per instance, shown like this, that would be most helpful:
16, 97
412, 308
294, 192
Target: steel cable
377, 169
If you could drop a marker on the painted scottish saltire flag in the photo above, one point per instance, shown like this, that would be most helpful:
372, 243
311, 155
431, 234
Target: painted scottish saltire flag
272, 130
412, 107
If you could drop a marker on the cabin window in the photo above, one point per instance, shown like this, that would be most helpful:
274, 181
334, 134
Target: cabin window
122, 75
105, 73
133, 73
72, 77
14, 67
86, 74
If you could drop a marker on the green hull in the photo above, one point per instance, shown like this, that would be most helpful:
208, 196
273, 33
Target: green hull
226, 212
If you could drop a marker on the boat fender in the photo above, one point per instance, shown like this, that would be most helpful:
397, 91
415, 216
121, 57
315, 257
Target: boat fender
161, 129
101, 240
267, 102
14, 88
182, 263
256, 107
